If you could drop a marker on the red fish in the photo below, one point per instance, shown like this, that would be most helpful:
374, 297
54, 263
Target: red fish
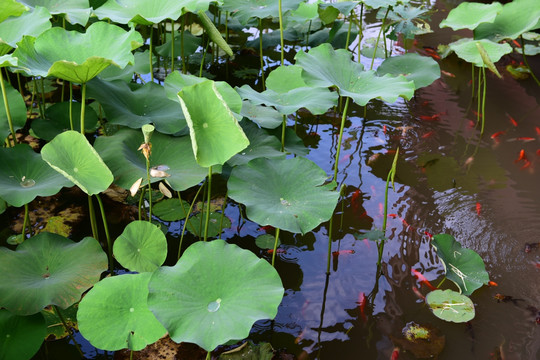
478, 208
266, 228
537, 130
384, 129
476, 114
428, 134
278, 251
395, 354
418, 294
422, 279
381, 208
492, 283
538, 152
342, 252
512, 120
497, 134
429, 235
516, 43
526, 138
366, 241
432, 52
393, 216
430, 117
521, 156
526, 165
449, 74
354, 200
362, 305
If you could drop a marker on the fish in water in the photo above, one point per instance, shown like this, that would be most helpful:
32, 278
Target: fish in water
422, 279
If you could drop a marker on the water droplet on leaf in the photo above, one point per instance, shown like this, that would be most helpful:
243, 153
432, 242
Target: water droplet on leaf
214, 305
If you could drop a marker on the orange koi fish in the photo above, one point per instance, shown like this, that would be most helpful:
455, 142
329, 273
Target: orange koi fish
430, 117
526, 165
428, 134
512, 120
492, 283
354, 200
395, 354
478, 208
516, 43
278, 251
521, 156
537, 130
422, 279
497, 134
418, 294
526, 138
362, 306
429, 235
449, 74
342, 252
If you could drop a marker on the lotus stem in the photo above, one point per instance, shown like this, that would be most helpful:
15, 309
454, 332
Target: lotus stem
483, 100
71, 106
281, 34
208, 197
203, 57
25, 221
261, 53
70, 334
42, 96
526, 62
222, 214
149, 190
8, 112
360, 31
227, 40
92, 214
106, 227
275, 247
349, 31
186, 222
150, 51
307, 35
378, 38
182, 54
19, 84
208, 355
342, 125
172, 45
83, 106
283, 127
472, 82
143, 190
330, 229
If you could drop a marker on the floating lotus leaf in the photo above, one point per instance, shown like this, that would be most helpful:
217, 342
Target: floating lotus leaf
24, 175
17, 108
469, 15
214, 294
72, 156
20, 336
285, 193
215, 224
48, 269
463, 266
422, 70
325, 67
11, 8
57, 120
81, 56
265, 117
466, 49
142, 247
120, 153
515, 18
138, 105
266, 241
170, 209
244, 10
450, 306
55, 328
215, 133
76, 11
261, 144
31, 23
114, 315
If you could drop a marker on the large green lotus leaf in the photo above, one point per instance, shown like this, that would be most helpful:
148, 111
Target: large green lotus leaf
515, 18
17, 109
8, 60
285, 193
422, 70
24, 175
81, 56
243, 10
48, 269
30, 23
466, 49
328, 12
142, 247
450, 305
144, 12
316, 99
266, 117
215, 133
20, 336
285, 78
11, 8
76, 11
261, 144
176, 81
114, 315
57, 120
463, 266
119, 152
469, 15
325, 67
214, 294
138, 106
71, 155
170, 209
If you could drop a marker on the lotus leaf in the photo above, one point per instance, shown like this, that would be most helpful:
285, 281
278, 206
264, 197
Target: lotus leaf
11, 8
57, 120
20, 336
141, 65
265, 117
8, 60
422, 70
467, 50
214, 294
48, 269
76, 11
463, 266
173, 152
217, 223
325, 67
266, 241
406, 20
17, 108
244, 10
71, 155
114, 315
215, 133
249, 351
285, 193
24, 175
450, 305
82, 56
328, 12
141, 247
138, 106
469, 15
170, 209
375, 4
30, 23
55, 328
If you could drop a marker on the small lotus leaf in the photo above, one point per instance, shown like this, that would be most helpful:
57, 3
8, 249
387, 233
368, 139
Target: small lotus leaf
20, 336
170, 209
450, 305
17, 109
137, 106
422, 70
265, 117
214, 294
57, 120
266, 241
81, 56
48, 269
114, 315
30, 23
284, 193
76, 11
174, 152
71, 155
325, 67
463, 266
24, 175
244, 10
215, 133
141, 247
467, 50
216, 224
469, 15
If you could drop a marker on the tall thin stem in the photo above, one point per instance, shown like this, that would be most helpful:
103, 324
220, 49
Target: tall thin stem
92, 214
186, 222
106, 227
182, 54
342, 126
281, 34
149, 190
526, 62
208, 197
6, 106
70, 105
261, 53
330, 229
378, 38
483, 100
70, 334
25, 221
172, 45
83, 106
150, 51
275, 247
283, 127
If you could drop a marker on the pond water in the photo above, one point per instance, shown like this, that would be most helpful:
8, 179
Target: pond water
449, 180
